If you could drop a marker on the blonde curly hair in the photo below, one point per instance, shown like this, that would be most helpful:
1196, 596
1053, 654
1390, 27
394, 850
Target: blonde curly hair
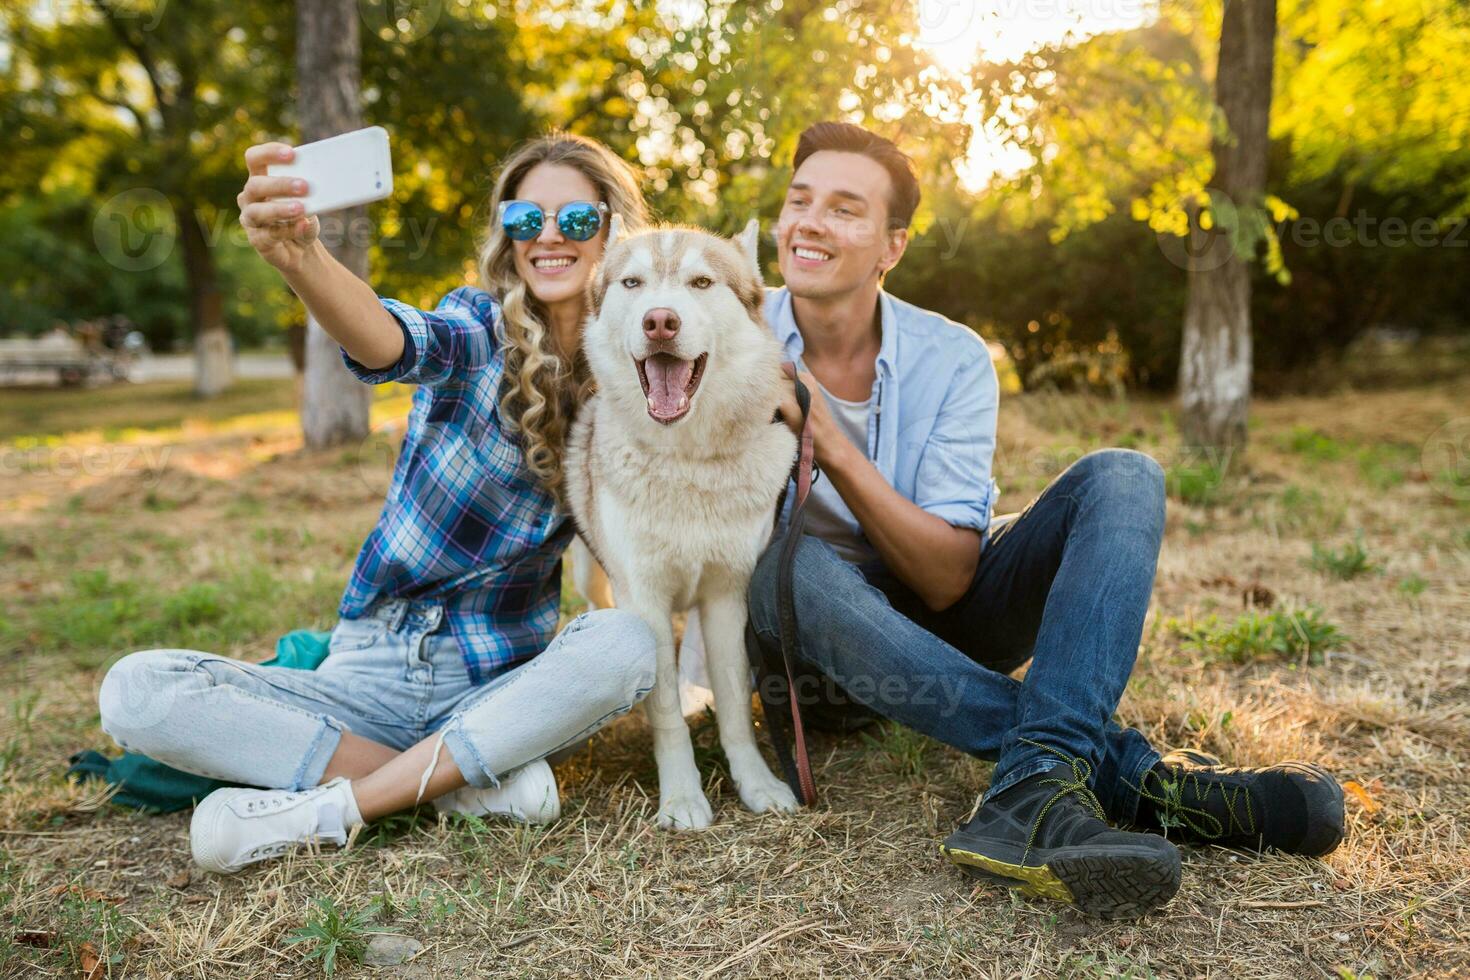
541, 391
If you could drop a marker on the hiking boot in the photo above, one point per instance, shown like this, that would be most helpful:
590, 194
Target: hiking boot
1046, 837
527, 795
1293, 807
235, 827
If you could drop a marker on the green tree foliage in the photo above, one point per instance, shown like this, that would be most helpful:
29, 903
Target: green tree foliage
1374, 93
146, 98
1069, 258
1368, 144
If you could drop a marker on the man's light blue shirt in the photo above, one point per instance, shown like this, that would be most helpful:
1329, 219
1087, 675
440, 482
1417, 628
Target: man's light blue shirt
931, 433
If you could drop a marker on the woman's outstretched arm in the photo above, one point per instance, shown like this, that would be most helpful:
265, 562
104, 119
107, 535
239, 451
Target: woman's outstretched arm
275, 223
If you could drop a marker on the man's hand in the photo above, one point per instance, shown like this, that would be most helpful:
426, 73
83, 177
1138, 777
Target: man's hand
932, 557
828, 441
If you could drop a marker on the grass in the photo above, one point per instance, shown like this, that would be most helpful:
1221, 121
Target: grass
1413, 586
1313, 445
1287, 634
226, 534
1305, 510
906, 750
332, 933
112, 410
1347, 562
1196, 482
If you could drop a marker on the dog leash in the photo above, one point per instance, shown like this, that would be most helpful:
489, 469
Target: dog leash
790, 750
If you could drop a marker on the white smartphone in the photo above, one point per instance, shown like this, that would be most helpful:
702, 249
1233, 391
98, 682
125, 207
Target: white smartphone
342, 171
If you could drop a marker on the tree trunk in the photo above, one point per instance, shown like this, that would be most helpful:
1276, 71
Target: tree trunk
1215, 363
334, 405
214, 368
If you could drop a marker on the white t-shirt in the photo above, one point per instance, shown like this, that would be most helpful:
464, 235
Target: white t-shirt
827, 515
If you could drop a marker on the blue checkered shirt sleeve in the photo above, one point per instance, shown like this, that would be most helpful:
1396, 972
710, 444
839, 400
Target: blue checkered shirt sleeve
447, 344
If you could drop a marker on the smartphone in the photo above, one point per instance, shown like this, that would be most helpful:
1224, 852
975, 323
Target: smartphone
342, 171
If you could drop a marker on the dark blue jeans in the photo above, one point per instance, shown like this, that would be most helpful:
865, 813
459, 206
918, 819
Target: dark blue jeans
1066, 586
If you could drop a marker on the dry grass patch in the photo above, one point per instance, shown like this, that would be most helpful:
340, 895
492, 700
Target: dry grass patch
238, 536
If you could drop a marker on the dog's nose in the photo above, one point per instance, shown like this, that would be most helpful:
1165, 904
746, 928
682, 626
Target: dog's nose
661, 324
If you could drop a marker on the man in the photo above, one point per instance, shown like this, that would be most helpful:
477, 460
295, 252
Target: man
912, 607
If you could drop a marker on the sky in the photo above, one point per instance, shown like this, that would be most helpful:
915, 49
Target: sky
960, 32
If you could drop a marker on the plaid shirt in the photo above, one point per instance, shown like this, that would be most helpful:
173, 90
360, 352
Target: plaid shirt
465, 523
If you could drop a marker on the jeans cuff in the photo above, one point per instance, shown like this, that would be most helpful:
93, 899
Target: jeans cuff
1133, 783
323, 747
471, 764
1014, 776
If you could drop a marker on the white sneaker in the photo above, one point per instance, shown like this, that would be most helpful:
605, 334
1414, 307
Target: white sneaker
235, 827
528, 795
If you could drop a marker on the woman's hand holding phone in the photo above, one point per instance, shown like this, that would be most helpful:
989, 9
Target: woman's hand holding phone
272, 211
274, 217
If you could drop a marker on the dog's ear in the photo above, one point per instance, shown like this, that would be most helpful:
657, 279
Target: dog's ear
596, 291
614, 230
749, 241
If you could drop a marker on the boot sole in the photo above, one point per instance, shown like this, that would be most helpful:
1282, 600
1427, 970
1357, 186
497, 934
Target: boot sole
1109, 883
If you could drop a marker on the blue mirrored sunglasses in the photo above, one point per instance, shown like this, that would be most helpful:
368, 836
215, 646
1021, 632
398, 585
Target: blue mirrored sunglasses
578, 220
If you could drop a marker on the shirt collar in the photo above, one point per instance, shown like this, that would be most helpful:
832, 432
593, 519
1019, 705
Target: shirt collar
786, 331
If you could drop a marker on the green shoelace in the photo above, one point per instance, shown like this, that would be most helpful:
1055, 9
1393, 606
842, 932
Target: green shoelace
1172, 812
1078, 785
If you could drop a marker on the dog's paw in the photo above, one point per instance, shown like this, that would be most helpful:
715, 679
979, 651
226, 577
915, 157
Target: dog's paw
685, 811
765, 793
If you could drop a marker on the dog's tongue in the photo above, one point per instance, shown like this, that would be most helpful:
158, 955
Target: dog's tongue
668, 377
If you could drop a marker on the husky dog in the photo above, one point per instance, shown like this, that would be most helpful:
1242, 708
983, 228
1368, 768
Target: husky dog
674, 468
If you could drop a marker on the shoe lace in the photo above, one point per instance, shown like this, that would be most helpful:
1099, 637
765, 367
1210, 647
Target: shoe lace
328, 823
1172, 811
1078, 787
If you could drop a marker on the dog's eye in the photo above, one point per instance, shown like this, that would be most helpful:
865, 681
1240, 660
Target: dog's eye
701, 282
632, 282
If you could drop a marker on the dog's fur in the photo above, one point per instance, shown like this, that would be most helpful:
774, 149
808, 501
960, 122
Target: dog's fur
677, 510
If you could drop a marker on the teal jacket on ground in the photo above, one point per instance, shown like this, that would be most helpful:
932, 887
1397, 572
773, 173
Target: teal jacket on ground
148, 785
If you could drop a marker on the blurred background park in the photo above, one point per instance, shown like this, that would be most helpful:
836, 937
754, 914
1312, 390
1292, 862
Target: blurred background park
1184, 226
1061, 143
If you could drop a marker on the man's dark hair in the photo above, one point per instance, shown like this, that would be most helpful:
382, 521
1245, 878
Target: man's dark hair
903, 199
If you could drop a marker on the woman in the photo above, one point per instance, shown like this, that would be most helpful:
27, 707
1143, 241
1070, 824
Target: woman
444, 630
